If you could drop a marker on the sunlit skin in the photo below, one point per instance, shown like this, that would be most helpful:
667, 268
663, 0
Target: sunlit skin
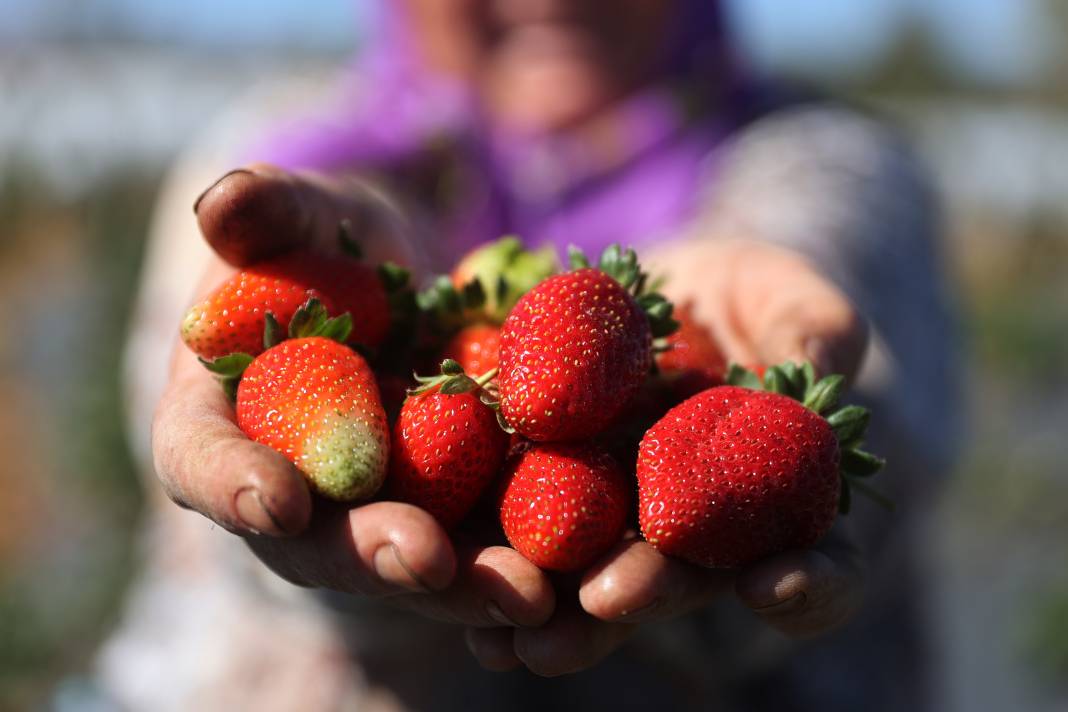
539, 65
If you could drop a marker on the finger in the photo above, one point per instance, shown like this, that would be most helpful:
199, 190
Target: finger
804, 593
493, 648
495, 586
259, 211
636, 583
207, 464
808, 319
571, 642
378, 549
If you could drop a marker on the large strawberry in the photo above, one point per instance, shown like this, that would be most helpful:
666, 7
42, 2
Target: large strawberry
314, 400
735, 474
447, 445
230, 319
563, 504
577, 347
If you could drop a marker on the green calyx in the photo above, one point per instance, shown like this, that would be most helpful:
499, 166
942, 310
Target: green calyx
453, 380
622, 266
506, 271
449, 308
821, 396
311, 319
229, 369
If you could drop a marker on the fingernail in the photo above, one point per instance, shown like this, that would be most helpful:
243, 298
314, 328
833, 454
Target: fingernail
391, 568
255, 514
790, 605
638, 612
224, 176
494, 611
817, 352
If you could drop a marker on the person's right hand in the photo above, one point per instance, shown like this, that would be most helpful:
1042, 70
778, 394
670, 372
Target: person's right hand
205, 462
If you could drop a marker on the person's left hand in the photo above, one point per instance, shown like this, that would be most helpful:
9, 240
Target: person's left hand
800, 593
765, 305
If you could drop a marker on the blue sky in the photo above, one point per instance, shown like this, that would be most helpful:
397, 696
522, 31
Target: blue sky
1001, 40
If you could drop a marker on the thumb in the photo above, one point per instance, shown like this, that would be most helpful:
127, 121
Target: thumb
259, 211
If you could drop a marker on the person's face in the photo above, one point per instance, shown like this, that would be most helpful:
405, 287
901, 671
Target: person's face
542, 64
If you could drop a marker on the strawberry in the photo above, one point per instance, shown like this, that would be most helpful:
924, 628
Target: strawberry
563, 504
505, 271
692, 360
230, 319
577, 347
735, 474
314, 400
447, 445
476, 348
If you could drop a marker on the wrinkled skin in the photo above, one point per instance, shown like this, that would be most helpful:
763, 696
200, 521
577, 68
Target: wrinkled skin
542, 64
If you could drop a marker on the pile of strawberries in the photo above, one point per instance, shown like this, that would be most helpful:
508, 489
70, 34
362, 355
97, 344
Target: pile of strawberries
567, 407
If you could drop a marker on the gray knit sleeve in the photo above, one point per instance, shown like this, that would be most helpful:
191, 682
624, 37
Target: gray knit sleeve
844, 190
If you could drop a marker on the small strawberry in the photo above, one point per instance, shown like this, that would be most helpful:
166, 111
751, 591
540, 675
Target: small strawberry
230, 319
505, 270
692, 360
563, 504
577, 347
476, 348
735, 474
447, 445
314, 400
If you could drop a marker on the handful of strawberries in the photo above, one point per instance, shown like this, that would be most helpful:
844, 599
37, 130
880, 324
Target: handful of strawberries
565, 403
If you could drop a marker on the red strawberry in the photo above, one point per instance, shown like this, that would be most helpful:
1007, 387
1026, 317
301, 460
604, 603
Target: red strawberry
693, 360
733, 474
564, 504
476, 348
230, 319
447, 446
576, 348
315, 401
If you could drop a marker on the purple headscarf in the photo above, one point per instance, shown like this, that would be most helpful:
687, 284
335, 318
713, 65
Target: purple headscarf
633, 180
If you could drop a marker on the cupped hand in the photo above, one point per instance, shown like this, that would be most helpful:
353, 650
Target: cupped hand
205, 463
799, 593
765, 305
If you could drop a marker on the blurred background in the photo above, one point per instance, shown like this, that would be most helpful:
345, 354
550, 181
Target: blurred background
96, 98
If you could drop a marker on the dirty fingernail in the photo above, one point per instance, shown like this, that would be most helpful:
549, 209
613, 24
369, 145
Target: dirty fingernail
254, 513
224, 176
391, 568
790, 605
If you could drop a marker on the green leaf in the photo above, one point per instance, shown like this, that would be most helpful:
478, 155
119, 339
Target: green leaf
775, 381
738, 375
859, 463
393, 276
451, 367
307, 318
504, 424
229, 366
349, 245
825, 394
458, 384
272, 331
849, 423
339, 328
576, 258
